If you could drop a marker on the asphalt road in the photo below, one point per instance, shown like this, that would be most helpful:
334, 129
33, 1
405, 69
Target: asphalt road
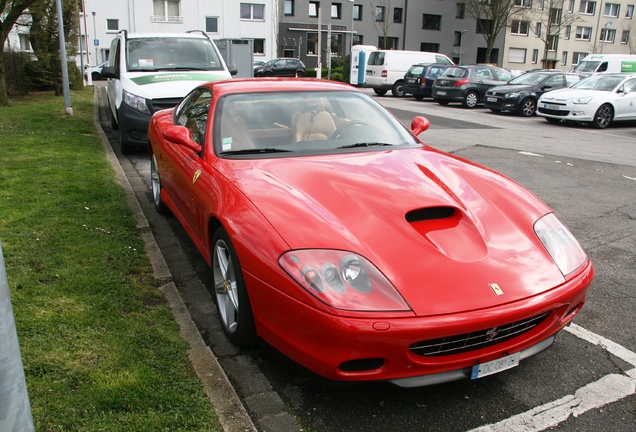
585, 382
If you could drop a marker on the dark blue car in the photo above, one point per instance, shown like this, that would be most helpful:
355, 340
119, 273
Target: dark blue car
418, 80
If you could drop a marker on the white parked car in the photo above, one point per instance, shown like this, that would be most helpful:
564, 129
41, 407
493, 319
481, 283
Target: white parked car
599, 100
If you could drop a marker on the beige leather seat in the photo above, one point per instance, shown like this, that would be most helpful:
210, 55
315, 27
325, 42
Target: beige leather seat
234, 132
313, 125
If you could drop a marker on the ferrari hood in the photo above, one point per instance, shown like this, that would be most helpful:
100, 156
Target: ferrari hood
442, 230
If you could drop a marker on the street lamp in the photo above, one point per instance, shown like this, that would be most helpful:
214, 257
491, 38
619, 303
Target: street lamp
606, 27
461, 44
353, 5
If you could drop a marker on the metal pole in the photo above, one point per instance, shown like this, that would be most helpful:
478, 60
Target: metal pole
96, 47
353, 5
461, 45
66, 88
15, 409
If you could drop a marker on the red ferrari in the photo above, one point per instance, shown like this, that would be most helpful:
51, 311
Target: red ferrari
341, 240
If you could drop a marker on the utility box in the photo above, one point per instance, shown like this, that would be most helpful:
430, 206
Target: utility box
239, 53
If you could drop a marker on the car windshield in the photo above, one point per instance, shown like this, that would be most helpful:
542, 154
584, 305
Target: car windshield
171, 53
587, 66
455, 72
274, 124
598, 82
529, 79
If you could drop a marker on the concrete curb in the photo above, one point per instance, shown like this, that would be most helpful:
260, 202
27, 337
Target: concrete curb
229, 409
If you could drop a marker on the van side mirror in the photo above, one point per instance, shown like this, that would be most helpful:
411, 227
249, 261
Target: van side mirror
109, 72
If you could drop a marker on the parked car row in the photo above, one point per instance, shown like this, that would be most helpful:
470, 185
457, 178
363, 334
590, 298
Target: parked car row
556, 95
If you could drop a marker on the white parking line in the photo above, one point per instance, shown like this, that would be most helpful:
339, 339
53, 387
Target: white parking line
608, 389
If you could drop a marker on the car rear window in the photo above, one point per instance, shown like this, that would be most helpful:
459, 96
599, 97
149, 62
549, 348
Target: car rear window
455, 72
415, 70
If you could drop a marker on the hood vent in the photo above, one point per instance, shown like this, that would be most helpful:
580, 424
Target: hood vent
431, 213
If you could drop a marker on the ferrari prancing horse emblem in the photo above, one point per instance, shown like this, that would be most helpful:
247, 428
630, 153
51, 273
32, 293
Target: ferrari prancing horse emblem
496, 289
197, 173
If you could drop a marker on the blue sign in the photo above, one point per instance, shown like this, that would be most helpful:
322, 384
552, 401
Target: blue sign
96, 42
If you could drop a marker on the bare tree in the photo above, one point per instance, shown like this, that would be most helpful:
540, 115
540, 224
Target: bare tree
553, 24
492, 17
380, 18
10, 12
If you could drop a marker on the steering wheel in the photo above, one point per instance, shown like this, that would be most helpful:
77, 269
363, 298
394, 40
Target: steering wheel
338, 132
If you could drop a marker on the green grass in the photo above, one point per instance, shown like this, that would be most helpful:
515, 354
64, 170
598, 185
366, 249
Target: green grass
100, 348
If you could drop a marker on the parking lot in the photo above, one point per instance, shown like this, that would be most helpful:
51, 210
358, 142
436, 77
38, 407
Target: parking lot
586, 381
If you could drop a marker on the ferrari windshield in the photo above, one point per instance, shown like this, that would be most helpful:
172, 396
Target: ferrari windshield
286, 123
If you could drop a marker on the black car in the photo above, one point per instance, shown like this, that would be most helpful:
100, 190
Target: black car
468, 84
419, 79
281, 67
522, 93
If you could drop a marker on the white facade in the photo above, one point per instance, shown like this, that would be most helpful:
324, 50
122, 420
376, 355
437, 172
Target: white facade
220, 19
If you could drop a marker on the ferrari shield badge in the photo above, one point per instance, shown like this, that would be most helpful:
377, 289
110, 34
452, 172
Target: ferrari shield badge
496, 289
197, 173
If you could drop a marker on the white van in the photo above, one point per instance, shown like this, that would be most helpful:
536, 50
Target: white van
386, 68
148, 72
606, 63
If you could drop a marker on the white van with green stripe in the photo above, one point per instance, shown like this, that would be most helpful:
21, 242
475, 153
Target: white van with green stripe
148, 72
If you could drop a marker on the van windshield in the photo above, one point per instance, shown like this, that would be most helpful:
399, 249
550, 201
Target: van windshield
171, 53
587, 66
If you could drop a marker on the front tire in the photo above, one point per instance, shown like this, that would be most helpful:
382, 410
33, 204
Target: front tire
232, 300
470, 100
155, 181
528, 108
603, 117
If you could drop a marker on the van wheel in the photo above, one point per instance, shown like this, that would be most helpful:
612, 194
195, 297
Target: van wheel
111, 117
379, 92
398, 89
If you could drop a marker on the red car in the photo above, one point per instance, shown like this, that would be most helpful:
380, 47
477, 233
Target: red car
340, 239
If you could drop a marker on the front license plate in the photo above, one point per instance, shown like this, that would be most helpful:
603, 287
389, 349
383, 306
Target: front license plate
491, 99
551, 107
495, 366
441, 93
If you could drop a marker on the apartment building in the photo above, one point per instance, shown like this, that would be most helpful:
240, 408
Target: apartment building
559, 33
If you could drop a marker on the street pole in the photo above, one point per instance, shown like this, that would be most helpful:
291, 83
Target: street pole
353, 5
66, 88
461, 45
95, 38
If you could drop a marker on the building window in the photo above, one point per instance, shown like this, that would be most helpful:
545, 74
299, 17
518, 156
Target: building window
336, 10
259, 46
612, 10
166, 11
357, 12
587, 7
312, 43
523, 3
397, 15
358, 39
379, 13
388, 43
537, 29
564, 58
289, 8
571, 6
25, 43
484, 26
552, 42
250, 11
519, 28
429, 47
431, 22
583, 33
608, 35
457, 38
314, 6
540, 6
625, 37
337, 44
535, 56
516, 55
555, 16
629, 14
212, 24
568, 31
577, 57
460, 10
112, 24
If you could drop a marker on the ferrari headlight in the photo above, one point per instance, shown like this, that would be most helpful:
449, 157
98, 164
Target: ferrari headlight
581, 101
343, 280
560, 244
136, 102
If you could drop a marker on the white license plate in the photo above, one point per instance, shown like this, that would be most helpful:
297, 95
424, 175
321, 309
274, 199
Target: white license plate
495, 366
551, 107
491, 99
441, 93
410, 80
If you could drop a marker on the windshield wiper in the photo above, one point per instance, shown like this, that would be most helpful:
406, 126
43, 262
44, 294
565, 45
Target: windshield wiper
256, 151
365, 144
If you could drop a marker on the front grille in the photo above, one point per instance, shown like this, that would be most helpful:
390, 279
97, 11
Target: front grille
159, 104
475, 340
554, 112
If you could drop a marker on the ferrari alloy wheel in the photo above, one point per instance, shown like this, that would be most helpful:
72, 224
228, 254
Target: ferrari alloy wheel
471, 100
155, 181
603, 117
528, 107
232, 301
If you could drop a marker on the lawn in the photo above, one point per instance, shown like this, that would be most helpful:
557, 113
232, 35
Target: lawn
100, 348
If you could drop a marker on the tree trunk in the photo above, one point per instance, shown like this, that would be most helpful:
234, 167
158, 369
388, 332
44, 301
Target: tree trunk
4, 98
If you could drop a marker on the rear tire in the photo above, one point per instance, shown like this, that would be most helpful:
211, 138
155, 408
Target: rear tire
470, 100
418, 97
398, 89
379, 92
603, 117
